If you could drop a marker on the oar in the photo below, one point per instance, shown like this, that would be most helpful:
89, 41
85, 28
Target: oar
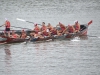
1, 25
17, 27
90, 22
25, 21
20, 27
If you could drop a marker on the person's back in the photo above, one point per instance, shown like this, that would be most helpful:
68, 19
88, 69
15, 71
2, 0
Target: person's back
23, 34
36, 29
62, 26
71, 29
45, 30
77, 26
50, 27
7, 24
54, 31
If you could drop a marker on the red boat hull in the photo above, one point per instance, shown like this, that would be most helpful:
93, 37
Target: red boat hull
5, 39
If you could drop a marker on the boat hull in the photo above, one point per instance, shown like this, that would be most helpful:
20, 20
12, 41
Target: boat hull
4, 39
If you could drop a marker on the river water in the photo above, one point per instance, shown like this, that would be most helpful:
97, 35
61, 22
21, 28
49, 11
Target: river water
59, 57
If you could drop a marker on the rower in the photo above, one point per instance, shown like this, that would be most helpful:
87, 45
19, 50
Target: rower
14, 35
77, 26
54, 31
7, 27
45, 31
36, 29
71, 29
23, 34
34, 36
62, 28
50, 27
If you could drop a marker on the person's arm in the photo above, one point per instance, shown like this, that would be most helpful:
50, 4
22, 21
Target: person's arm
64, 30
18, 36
63, 25
73, 29
44, 29
79, 26
39, 29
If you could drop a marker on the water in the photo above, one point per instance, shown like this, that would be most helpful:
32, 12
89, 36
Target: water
59, 57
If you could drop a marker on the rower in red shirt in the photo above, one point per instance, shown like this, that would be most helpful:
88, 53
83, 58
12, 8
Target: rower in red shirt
71, 29
45, 30
36, 28
50, 27
62, 29
54, 31
77, 26
23, 34
7, 27
14, 35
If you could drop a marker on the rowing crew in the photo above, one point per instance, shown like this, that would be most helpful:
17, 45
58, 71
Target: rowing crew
48, 30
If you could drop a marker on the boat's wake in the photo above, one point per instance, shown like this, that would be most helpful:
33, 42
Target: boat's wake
76, 39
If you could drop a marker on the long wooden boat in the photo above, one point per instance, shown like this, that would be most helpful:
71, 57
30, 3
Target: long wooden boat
83, 32
5, 39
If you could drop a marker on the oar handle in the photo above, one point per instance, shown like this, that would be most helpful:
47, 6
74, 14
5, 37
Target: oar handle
19, 27
1, 25
30, 22
26, 21
33, 23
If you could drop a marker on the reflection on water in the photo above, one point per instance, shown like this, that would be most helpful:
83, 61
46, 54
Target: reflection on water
7, 52
7, 59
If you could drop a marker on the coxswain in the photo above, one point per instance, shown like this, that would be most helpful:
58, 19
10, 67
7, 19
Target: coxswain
7, 27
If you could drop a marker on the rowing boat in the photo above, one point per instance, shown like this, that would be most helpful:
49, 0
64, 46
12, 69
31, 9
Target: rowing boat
5, 39
83, 32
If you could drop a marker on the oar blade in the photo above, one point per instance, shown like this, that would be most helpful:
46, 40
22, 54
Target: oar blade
90, 22
20, 19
